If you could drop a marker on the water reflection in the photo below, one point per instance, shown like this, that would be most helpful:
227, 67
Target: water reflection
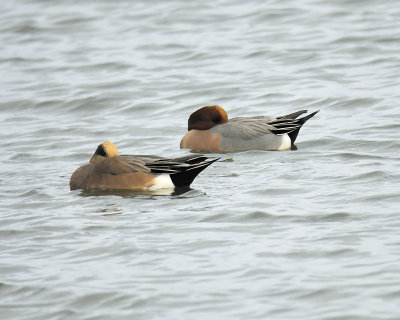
135, 193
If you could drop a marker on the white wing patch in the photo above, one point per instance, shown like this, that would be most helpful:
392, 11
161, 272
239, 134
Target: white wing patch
163, 181
286, 143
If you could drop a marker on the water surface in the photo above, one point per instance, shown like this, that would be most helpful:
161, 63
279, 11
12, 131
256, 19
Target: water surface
311, 233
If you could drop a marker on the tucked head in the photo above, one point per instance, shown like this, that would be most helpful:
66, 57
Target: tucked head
105, 150
207, 117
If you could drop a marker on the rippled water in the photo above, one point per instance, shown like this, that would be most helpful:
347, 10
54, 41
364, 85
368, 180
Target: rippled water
311, 233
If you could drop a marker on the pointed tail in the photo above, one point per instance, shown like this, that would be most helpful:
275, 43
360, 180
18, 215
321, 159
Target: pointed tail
301, 121
186, 177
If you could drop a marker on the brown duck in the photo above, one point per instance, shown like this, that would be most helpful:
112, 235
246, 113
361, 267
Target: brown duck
108, 170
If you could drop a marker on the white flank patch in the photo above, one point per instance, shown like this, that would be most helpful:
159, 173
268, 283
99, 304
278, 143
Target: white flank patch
286, 143
163, 181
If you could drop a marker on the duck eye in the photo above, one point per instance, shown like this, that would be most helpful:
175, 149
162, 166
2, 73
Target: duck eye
217, 118
100, 151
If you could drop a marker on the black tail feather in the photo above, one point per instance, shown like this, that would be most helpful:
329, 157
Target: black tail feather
192, 159
164, 165
185, 177
293, 115
301, 121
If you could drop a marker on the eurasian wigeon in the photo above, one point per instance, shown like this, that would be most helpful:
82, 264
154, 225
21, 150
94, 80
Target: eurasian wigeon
108, 170
210, 130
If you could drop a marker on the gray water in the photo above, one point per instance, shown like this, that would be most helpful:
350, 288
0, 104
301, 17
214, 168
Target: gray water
311, 233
